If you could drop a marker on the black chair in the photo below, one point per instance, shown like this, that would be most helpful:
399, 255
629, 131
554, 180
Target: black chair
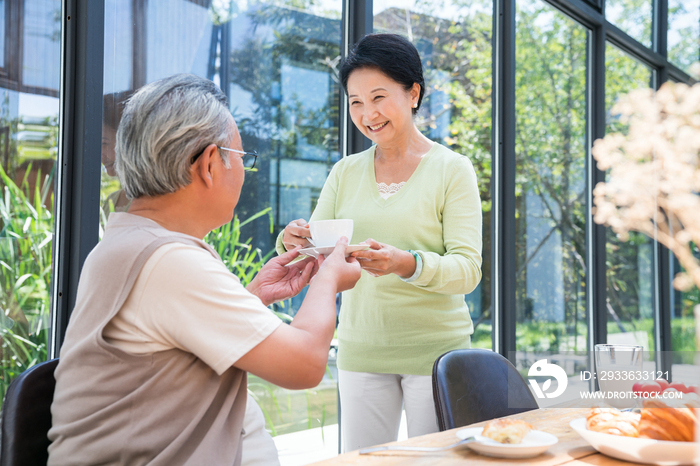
475, 385
26, 417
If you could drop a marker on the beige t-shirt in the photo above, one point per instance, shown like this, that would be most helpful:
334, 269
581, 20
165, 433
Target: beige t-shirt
215, 317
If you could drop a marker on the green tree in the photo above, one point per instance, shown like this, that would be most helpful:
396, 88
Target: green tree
683, 41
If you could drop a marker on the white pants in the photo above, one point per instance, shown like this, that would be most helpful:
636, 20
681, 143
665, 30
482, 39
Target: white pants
370, 407
258, 447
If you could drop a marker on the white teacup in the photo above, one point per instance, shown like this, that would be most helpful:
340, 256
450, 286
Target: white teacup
325, 233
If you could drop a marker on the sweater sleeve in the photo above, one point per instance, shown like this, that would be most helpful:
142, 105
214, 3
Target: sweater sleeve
325, 208
458, 271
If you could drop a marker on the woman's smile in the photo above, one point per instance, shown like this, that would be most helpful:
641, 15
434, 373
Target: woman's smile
377, 127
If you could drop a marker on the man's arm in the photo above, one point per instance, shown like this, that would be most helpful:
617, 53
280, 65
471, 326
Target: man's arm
295, 356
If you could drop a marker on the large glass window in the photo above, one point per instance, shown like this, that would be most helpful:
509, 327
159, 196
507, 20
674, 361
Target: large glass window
632, 16
684, 32
454, 41
28, 144
551, 208
277, 63
629, 264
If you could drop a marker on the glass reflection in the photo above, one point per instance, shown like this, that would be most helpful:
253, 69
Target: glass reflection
114, 198
684, 32
629, 265
551, 53
28, 146
119, 77
40, 39
632, 16
454, 41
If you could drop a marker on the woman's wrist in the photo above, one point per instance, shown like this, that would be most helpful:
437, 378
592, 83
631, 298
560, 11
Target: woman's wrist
414, 267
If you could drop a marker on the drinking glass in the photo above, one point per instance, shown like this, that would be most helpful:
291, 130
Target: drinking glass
617, 367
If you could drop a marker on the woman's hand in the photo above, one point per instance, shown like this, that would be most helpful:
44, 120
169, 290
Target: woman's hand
296, 234
277, 281
383, 259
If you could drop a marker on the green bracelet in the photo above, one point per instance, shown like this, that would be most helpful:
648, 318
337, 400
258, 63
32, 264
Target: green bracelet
419, 266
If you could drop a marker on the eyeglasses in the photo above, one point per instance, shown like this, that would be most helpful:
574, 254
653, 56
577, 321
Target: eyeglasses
249, 158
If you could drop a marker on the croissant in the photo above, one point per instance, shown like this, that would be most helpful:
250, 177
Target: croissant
613, 421
661, 422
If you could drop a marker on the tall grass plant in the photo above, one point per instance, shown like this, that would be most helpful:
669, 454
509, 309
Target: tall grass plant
26, 237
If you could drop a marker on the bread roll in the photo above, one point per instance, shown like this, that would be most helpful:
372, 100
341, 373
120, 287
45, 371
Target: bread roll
613, 421
506, 430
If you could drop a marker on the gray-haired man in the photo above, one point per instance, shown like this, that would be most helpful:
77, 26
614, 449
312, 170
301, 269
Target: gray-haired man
153, 368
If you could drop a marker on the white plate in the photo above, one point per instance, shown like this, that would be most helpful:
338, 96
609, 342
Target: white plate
638, 450
534, 443
314, 252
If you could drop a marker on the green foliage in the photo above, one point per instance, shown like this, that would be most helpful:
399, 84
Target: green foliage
239, 256
26, 235
481, 338
683, 37
632, 16
682, 332
553, 336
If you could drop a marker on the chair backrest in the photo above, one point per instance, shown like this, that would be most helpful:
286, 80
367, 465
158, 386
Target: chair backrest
26, 417
476, 385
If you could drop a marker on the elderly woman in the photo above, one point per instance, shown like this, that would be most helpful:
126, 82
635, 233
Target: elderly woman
416, 204
153, 367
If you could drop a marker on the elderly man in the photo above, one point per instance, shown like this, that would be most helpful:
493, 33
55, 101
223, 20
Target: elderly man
153, 367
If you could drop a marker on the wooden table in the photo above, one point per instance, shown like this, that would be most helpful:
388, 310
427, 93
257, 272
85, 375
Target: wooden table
572, 450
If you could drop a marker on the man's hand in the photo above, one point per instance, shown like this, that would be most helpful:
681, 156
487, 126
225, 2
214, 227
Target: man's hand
277, 281
344, 270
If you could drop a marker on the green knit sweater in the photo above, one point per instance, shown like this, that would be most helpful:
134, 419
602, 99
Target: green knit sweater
386, 324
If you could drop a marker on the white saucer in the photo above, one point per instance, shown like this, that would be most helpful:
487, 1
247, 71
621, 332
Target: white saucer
534, 443
315, 252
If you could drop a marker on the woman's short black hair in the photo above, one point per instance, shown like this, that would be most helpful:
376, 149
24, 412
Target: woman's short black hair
392, 54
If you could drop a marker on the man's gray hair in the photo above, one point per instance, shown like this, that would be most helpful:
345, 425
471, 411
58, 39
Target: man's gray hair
165, 124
